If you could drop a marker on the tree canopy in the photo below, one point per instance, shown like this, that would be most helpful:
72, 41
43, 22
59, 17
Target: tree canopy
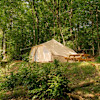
25, 23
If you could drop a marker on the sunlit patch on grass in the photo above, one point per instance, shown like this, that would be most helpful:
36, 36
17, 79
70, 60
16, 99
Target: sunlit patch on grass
84, 64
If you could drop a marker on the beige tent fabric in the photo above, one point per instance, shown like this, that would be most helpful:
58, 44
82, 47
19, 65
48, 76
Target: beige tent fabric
49, 51
43, 54
58, 49
40, 54
32, 53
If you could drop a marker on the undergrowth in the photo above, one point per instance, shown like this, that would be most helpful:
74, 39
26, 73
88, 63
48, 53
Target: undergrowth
98, 59
43, 81
46, 81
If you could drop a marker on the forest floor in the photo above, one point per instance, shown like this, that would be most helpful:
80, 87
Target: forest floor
84, 79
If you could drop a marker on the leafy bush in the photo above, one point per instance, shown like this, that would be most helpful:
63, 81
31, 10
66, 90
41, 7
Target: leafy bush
25, 57
98, 59
42, 81
56, 63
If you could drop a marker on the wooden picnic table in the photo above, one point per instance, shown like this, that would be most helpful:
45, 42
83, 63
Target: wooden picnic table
79, 57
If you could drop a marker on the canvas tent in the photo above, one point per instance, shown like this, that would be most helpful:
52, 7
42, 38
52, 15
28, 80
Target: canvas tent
49, 51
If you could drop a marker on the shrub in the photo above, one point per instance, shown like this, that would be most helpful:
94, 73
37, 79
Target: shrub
46, 82
25, 57
56, 63
98, 59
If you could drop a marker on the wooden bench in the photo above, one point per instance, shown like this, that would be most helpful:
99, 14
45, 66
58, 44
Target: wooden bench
79, 57
68, 58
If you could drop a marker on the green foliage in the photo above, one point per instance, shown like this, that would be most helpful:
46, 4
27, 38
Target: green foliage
70, 44
46, 81
25, 57
98, 59
11, 83
56, 63
25, 23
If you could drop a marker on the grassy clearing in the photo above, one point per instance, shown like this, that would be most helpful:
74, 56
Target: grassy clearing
75, 72
81, 73
78, 72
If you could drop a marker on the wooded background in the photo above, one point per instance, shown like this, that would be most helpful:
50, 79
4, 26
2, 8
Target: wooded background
25, 23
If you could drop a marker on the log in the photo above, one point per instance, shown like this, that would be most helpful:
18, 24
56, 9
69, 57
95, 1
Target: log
83, 84
75, 96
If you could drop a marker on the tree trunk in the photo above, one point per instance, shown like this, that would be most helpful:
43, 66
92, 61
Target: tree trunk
92, 39
78, 29
58, 22
76, 39
37, 20
98, 36
70, 22
1, 45
70, 18
53, 11
91, 13
62, 36
54, 17
4, 46
22, 35
33, 25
